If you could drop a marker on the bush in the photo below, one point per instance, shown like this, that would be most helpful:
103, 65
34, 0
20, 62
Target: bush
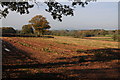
27, 29
116, 37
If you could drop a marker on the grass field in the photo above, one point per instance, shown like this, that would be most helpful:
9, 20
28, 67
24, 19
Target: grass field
60, 58
102, 38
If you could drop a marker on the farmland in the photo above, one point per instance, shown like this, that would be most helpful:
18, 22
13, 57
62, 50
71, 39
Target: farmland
60, 58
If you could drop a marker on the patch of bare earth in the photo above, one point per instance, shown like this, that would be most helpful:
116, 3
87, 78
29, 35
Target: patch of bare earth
46, 60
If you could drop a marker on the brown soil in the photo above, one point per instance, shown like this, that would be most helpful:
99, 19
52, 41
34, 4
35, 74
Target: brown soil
52, 61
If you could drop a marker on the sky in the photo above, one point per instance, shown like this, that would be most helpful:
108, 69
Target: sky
96, 15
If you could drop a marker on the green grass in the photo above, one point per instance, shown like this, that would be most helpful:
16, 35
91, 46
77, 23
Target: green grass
104, 36
108, 35
25, 44
77, 42
104, 39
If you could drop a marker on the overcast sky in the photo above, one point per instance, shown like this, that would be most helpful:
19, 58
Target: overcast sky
96, 15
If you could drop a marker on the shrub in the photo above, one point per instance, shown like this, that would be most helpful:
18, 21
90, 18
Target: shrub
116, 37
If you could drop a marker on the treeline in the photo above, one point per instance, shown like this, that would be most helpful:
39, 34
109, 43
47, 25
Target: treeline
83, 33
87, 33
28, 31
11, 32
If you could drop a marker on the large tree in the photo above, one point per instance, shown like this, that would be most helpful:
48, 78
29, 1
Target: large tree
40, 24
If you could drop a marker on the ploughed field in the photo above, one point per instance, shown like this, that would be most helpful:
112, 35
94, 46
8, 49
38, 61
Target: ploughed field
60, 58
